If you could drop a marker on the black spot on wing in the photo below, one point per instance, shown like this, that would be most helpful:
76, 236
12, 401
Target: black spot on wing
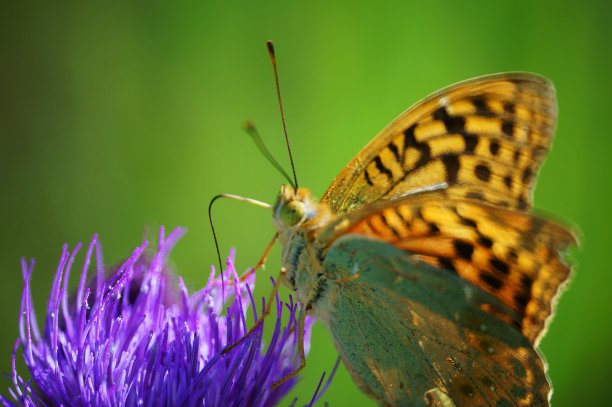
507, 128
425, 154
482, 109
471, 141
433, 228
521, 300
399, 214
447, 264
372, 226
381, 167
485, 241
483, 172
500, 265
527, 175
492, 281
393, 148
451, 165
508, 181
366, 175
441, 114
409, 138
464, 249
526, 282
494, 147
389, 226
410, 141
453, 124
469, 222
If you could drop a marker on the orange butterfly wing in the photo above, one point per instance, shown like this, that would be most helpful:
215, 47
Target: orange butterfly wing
513, 255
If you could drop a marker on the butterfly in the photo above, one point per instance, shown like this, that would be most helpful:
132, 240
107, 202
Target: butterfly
423, 257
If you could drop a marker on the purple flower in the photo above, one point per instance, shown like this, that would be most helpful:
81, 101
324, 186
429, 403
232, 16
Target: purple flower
137, 339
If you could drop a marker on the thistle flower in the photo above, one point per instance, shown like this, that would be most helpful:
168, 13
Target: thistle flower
137, 339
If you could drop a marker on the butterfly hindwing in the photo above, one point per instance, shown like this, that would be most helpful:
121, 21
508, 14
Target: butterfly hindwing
484, 138
514, 256
406, 329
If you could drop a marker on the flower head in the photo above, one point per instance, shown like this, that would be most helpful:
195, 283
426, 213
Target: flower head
137, 338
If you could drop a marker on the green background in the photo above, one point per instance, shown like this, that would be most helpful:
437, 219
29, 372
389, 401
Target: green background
117, 116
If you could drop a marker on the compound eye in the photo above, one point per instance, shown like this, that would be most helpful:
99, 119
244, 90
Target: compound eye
292, 213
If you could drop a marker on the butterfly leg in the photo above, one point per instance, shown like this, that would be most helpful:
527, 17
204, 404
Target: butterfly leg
262, 260
302, 353
265, 313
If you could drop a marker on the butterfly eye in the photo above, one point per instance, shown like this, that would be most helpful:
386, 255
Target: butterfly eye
292, 213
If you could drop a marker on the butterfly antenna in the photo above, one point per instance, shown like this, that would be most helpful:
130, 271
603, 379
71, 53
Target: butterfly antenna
212, 225
249, 127
280, 104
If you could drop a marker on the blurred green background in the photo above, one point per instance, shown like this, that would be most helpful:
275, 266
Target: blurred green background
116, 116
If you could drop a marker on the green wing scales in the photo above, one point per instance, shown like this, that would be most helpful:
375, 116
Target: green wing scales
406, 329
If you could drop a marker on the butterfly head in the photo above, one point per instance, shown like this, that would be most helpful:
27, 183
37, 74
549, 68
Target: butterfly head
295, 208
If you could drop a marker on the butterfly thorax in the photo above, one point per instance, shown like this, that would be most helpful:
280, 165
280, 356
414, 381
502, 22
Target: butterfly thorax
299, 220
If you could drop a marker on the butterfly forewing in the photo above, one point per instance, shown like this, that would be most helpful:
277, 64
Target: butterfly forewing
484, 138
